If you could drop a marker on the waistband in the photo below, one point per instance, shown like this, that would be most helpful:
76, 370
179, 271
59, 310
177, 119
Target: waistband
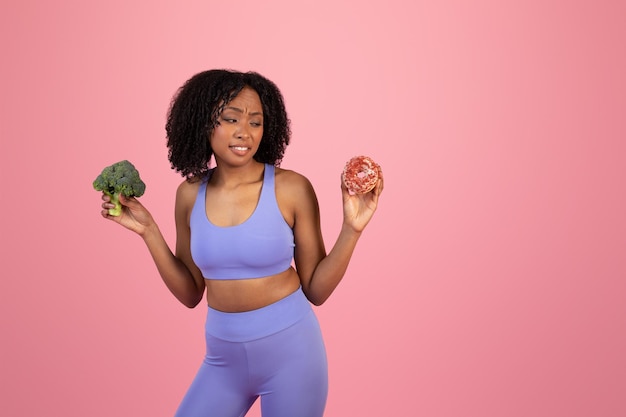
262, 322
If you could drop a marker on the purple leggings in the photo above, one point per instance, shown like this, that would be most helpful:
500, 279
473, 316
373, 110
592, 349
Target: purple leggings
275, 352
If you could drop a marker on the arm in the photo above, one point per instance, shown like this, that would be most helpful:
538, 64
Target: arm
320, 273
178, 272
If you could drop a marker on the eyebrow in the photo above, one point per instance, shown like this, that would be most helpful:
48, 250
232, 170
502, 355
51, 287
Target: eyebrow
238, 110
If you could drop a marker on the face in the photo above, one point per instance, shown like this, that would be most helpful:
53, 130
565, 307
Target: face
236, 137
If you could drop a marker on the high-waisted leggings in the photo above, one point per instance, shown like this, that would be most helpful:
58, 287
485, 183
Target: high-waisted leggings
275, 352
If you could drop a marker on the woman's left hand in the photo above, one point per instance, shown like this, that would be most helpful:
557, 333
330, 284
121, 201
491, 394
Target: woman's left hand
358, 209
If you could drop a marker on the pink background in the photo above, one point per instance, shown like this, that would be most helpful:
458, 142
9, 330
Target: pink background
490, 283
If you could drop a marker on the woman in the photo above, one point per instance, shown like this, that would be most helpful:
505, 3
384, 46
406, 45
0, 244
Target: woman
239, 226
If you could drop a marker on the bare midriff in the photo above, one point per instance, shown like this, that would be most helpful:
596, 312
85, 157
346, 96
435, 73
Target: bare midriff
237, 295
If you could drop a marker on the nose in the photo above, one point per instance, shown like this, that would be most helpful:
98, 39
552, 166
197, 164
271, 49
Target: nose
243, 132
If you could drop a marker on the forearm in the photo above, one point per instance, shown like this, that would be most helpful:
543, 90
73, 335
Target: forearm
332, 268
175, 274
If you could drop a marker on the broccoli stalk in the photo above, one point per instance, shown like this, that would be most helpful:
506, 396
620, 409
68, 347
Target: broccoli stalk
119, 178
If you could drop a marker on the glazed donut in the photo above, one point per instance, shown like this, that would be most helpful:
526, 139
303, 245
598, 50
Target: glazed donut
360, 174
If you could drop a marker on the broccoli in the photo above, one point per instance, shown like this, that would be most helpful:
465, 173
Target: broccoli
119, 178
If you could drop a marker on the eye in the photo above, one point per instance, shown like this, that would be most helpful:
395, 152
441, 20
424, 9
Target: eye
256, 124
229, 120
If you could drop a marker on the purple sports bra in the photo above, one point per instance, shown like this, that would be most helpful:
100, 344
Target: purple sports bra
261, 246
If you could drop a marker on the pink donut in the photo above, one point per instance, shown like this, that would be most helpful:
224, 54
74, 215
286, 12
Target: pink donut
360, 174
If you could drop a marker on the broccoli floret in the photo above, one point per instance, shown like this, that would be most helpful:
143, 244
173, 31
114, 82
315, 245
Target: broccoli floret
119, 178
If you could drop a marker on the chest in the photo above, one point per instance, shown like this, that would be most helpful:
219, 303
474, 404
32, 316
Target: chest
231, 207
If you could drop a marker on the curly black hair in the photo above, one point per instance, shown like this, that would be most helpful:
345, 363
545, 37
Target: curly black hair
194, 110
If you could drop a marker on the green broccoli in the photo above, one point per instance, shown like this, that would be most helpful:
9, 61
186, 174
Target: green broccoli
119, 178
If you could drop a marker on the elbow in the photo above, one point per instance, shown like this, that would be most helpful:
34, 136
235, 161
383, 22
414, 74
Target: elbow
315, 297
316, 300
191, 302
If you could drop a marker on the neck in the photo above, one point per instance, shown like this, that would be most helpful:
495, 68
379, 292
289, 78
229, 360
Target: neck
232, 176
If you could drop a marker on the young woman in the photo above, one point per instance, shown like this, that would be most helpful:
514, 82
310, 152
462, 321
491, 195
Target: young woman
241, 227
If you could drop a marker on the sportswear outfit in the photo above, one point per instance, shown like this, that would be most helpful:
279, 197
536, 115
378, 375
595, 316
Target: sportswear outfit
275, 352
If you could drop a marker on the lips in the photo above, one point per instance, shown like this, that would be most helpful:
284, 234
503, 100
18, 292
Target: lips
240, 150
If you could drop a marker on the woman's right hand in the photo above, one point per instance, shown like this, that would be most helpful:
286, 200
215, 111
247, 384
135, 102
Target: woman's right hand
134, 215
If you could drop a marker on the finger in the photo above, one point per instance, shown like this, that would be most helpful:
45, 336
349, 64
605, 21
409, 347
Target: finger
343, 184
381, 182
344, 189
106, 205
106, 215
128, 201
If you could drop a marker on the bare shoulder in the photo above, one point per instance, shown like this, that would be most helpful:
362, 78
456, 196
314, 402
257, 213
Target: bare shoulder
186, 194
295, 195
291, 182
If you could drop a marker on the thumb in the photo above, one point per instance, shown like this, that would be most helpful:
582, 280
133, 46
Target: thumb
127, 201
